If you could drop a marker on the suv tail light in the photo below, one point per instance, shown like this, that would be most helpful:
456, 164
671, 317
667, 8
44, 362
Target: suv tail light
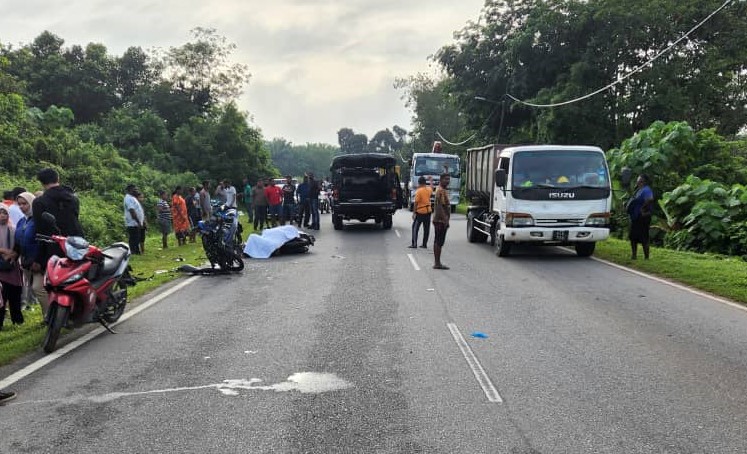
336, 194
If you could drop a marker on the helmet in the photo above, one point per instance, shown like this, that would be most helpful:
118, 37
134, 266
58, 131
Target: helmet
563, 179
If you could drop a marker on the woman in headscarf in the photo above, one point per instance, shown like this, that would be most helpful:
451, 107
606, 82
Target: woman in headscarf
28, 248
10, 278
179, 216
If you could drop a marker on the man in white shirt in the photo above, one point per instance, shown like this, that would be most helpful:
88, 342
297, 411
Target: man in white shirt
14, 211
134, 217
230, 192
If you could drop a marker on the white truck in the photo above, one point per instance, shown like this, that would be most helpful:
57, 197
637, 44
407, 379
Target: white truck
538, 194
431, 166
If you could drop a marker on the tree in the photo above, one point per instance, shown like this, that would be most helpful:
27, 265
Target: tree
556, 50
202, 71
350, 142
435, 111
135, 71
385, 142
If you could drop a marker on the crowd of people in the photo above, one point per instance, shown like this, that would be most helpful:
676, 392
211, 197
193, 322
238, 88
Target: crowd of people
267, 205
23, 258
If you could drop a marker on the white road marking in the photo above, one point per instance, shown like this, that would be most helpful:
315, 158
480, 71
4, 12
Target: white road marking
482, 378
414, 263
396, 232
36, 365
673, 284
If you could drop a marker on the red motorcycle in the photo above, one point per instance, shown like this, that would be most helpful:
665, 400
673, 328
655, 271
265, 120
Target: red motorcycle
86, 285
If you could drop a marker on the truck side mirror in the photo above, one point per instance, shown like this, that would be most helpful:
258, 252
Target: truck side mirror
500, 178
625, 176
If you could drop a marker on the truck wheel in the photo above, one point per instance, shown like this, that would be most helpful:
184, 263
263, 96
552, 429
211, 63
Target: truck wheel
387, 223
337, 221
502, 247
473, 236
585, 249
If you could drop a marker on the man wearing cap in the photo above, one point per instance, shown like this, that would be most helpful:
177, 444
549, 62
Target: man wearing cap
134, 216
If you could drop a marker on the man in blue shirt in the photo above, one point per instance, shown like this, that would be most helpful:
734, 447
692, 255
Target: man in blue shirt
303, 201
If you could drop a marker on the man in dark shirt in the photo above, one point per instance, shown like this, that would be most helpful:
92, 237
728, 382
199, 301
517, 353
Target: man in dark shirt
314, 189
303, 202
289, 200
61, 202
441, 215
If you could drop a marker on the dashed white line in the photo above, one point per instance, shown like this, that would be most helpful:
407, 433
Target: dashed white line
414, 263
482, 377
396, 232
36, 365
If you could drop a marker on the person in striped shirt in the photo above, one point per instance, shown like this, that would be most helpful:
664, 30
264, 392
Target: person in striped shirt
164, 217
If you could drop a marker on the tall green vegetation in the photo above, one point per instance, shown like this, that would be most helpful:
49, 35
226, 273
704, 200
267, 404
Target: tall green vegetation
155, 119
296, 160
700, 179
553, 51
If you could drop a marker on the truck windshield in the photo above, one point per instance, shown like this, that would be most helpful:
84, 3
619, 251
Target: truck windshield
434, 165
560, 169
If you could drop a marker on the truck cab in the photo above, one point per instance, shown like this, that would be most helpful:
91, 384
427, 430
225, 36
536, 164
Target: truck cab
540, 194
365, 186
432, 165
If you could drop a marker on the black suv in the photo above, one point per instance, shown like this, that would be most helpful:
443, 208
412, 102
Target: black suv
365, 186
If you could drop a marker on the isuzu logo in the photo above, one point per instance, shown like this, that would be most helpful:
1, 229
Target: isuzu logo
562, 195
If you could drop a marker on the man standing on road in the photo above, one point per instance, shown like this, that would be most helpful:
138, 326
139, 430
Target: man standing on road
314, 189
441, 217
133, 217
421, 213
289, 201
275, 198
303, 202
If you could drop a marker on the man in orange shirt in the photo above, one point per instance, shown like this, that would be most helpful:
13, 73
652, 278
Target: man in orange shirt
421, 213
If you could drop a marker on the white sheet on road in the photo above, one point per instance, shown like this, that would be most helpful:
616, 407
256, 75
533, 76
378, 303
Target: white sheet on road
262, 246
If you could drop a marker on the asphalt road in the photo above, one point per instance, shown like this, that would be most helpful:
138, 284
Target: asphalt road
358, 347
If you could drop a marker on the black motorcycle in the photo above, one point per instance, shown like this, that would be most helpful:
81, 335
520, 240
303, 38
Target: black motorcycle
221, 239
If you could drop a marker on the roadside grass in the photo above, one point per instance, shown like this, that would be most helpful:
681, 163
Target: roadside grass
717, 274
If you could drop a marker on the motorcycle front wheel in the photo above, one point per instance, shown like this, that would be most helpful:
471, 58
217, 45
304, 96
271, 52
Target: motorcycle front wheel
57, 318
231, 261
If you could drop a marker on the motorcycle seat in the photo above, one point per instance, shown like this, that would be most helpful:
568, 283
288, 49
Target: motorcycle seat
114, 255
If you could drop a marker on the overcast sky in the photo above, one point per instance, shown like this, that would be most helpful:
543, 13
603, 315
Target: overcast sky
316, 65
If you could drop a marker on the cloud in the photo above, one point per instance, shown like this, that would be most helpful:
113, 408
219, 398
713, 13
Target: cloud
317, 65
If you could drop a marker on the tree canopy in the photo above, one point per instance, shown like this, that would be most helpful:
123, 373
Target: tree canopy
550, 51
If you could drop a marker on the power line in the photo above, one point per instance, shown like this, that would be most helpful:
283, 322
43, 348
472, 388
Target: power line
474, 134
634, 71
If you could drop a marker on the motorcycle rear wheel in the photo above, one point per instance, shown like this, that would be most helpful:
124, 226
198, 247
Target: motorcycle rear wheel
57, 318
121, 289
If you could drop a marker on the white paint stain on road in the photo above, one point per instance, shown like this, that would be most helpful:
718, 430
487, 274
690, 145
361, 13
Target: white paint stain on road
303, 382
